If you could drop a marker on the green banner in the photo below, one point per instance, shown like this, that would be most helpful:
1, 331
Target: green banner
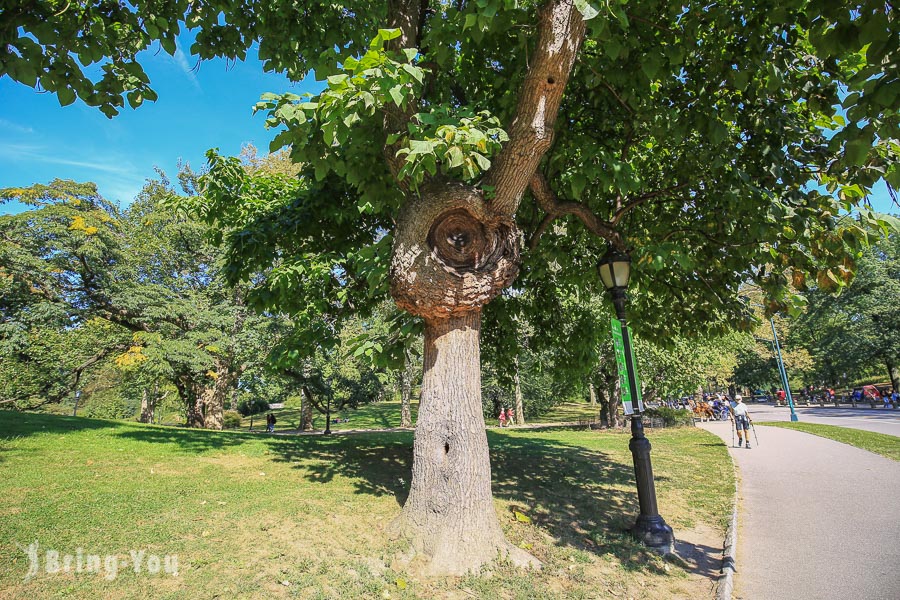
629, 395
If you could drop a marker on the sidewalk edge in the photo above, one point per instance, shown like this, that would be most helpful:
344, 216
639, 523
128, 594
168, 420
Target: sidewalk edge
725, 585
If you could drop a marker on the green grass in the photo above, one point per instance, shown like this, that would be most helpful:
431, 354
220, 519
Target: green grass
568, 412
386, 415
246, 511
879, 443
380, 415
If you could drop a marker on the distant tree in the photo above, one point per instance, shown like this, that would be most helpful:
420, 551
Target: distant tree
139, 287
857, 331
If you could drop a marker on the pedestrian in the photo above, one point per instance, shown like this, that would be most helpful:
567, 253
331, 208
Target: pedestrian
741, 420
270, 423
511, 416
503, 417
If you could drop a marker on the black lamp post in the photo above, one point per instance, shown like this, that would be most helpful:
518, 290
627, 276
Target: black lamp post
650, 528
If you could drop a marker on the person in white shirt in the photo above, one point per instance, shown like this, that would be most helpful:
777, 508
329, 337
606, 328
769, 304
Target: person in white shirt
741, 419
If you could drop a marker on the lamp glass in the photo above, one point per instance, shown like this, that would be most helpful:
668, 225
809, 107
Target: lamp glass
615, 271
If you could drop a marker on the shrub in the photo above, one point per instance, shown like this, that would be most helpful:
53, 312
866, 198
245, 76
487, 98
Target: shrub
672, 417
252, 407
231, 419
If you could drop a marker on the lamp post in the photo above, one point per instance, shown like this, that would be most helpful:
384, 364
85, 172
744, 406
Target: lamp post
783, 372
650, 528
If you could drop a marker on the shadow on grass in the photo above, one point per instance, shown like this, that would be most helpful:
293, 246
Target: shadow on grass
579, 496
15, 424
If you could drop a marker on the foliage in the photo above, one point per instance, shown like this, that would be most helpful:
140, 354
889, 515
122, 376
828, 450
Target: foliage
671, 417
86, 284
850, 334
252, 407
673, 115
232, 419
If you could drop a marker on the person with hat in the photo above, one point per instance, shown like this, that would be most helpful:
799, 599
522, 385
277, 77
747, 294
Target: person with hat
741, 419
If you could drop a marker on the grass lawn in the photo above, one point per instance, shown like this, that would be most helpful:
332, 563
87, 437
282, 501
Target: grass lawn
379, 415
386, 415
251, 515
879, 443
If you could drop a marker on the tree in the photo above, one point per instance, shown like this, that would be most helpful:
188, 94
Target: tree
685, 133
854, 331
139, 287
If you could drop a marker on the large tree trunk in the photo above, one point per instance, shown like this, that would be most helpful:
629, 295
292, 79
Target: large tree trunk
615, 399
148, 400
306, 410
520, 405
405, 393
213, 399
451, 255
449, 515
894, 374
190, 396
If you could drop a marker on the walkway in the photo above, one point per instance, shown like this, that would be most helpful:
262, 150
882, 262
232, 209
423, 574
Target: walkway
819, 520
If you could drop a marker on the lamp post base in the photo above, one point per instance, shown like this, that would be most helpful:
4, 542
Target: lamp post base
654, 533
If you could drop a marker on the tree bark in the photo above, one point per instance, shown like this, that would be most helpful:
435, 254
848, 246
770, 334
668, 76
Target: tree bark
520, 405
615, 398
405, 393
306, 410
147, 406
449, 516
894, 374
593, 393
213, 398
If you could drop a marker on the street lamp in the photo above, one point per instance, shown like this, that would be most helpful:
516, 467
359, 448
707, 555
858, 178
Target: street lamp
650, 527
783, 372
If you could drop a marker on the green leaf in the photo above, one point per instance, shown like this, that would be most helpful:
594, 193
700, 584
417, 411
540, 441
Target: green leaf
66, 96
856, 151
586, 9
521, 518
396, 93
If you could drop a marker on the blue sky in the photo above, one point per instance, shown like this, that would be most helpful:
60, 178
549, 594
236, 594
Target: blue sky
198, 109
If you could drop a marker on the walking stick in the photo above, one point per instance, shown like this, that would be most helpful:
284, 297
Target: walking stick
732, 433
753, 427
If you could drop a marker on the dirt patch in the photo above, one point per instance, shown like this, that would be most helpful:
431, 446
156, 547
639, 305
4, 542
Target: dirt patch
699, 552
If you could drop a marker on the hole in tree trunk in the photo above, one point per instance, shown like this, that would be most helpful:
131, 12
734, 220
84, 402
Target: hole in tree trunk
446, 448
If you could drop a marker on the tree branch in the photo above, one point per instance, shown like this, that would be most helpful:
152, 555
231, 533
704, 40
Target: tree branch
547, 200
643, 198
409, 17
560, 33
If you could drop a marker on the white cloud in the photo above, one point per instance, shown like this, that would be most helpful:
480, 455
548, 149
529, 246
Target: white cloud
20, 152
182, 62
11, 126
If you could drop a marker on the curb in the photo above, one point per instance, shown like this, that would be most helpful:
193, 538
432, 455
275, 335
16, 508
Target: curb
725, 585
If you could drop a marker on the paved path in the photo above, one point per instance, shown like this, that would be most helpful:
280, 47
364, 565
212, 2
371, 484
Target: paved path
880, 420
819, 520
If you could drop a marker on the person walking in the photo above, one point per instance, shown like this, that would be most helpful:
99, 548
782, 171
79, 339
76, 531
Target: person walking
741, 420
270, 423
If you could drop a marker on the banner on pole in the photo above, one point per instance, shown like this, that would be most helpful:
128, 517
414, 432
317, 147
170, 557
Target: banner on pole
629, 396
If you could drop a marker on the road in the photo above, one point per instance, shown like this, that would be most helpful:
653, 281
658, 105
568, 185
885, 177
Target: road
880, 420
818, 520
